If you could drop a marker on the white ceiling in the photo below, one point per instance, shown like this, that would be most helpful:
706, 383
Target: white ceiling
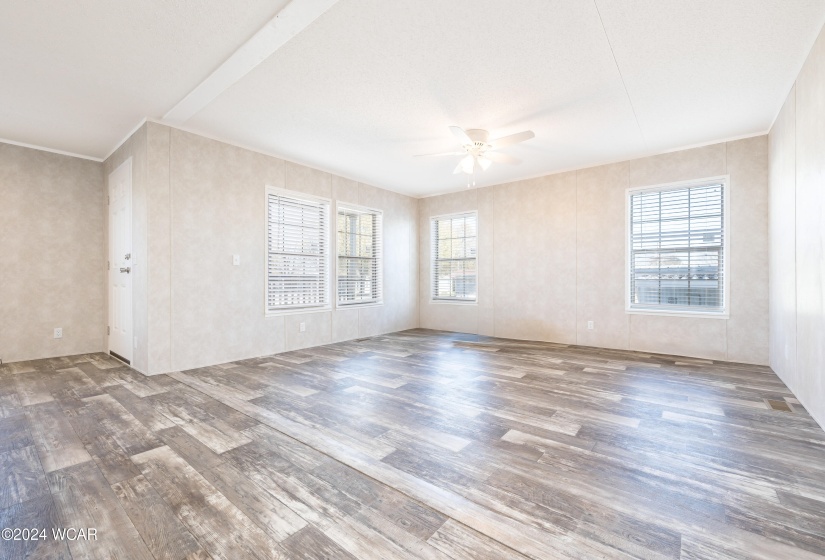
371, 83
78, 75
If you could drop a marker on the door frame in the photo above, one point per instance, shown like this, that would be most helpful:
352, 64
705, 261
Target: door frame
126, 164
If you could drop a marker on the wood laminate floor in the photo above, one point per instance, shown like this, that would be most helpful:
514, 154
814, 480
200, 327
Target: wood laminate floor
417, 444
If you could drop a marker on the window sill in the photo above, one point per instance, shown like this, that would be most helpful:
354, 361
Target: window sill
680, 313
452, 302
359, 305
298, 311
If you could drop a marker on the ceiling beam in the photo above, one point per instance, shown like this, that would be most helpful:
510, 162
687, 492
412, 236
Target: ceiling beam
291, 20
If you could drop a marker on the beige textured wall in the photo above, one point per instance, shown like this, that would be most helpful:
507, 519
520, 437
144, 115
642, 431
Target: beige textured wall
51, 254
159, 248
205, 203
782, 226
797, 234
552, 250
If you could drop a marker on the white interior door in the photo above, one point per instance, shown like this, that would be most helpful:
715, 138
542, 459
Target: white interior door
120, 261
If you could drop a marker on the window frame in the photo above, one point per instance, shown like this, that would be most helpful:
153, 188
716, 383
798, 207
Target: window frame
724, 312
327, 306
379, 258
432, 250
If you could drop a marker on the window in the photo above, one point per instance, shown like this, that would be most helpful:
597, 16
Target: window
678, 248
359, 255
297, 237
454, 257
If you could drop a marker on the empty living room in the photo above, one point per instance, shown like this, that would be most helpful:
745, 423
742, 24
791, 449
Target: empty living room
465, 279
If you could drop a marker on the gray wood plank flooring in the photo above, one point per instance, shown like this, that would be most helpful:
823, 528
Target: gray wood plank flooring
417, 444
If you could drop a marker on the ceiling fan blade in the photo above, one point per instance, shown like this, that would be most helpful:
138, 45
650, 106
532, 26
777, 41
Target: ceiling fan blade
459, 168
468, 164
441, 154
461, 135
512, 139
501, 158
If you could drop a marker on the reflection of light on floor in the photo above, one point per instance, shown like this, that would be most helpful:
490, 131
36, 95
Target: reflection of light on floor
361, 369
457, 374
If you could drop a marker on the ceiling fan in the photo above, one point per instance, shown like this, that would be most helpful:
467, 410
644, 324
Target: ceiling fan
479, 151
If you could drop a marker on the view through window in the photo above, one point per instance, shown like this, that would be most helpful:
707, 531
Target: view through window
296, 251
677, 248
359, 256
454, 257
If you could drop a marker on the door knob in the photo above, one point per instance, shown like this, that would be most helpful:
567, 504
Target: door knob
127, 270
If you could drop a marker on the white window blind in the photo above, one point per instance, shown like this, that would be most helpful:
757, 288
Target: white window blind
297, 237
359, 256
677, 248
454, 257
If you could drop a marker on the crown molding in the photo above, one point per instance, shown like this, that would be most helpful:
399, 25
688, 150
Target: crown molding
50, 150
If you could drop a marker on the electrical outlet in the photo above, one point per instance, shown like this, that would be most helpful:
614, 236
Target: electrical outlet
590, 325
58, 332
302, 327
236, 260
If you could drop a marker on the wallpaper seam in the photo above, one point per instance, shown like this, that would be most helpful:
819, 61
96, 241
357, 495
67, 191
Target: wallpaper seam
795, 236
171, 245
576, 247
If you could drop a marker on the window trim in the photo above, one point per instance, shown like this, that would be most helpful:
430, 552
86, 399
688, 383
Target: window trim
447, 301
723, 313
379, 259
296, 310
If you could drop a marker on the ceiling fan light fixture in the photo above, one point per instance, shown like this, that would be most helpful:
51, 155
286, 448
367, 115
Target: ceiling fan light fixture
484, 162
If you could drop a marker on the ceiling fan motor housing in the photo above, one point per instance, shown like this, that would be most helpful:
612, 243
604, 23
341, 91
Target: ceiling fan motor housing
480, 139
